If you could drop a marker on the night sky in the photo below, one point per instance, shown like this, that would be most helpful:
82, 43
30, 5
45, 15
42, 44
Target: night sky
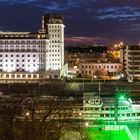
86, 21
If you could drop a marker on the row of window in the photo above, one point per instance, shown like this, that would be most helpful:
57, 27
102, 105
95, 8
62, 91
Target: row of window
23, 60
53, 50
54, 59
21, 46
134, 63
104, 108
54, 41
54, 26
19, 55
19, 76
22, 41
99, 66
21, 50
53, 54
54, 35
17, 65
134, 58
133, 53
54, 31
54, 46
54, 64
121, 115
133, 73
134, 47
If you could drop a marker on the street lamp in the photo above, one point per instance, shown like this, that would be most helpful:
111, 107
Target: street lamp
93, 77
86, 124
27, 114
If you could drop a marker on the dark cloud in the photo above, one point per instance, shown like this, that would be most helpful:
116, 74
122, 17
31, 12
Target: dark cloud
111, 20
86, 40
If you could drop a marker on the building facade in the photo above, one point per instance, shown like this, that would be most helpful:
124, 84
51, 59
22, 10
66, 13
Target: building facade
53, 25
25, 55
100, 69
132, 62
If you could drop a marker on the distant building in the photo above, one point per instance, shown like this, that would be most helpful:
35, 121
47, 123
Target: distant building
132, 62
100, 69
25, 55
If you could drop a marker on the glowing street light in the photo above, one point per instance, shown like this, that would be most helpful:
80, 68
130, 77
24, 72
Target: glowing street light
121, 43
80, 114
27, 114
121, 97
86, 124
94, 76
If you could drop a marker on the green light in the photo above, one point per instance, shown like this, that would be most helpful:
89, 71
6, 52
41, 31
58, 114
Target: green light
121, 97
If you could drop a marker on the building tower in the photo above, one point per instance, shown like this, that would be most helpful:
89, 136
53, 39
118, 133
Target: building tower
132, 62
53, 25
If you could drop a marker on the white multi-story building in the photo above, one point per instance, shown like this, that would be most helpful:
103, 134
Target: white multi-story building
132, 62
25, 55
53, 24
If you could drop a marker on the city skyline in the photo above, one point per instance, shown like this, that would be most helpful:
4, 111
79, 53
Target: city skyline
91, 21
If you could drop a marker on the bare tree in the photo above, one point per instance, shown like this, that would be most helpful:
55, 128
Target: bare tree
9, 109
54, 118
36, 118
